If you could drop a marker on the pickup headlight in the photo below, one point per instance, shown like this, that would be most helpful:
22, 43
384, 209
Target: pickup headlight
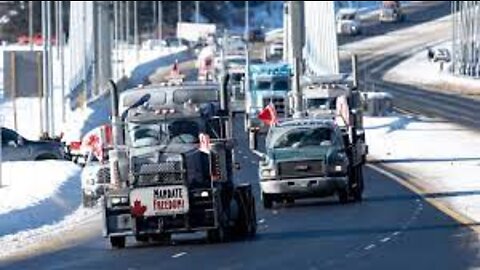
338, 168
266, 173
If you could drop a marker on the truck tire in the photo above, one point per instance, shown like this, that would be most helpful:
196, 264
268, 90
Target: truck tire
141, 238
117, 241
217, 235
163, 238
267, 201
358, 190
343, 195
246, 225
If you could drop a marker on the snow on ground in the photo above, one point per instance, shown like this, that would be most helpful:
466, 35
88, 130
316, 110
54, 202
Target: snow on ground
442, 157
418, 70
25, 184
51, 236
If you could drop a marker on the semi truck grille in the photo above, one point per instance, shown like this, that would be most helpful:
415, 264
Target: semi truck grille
279, 104
308, 168
161, 173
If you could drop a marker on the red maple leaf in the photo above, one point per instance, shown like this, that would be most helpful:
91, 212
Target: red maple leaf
138, 209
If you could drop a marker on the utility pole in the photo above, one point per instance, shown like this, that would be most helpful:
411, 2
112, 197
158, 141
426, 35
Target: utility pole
135, 29
135, 24
127, 21
179, 10
30, 24
160, 20
154, 18
247, 21
115, 37
61, 34
50, 69
197, 11
57, 28
296, 11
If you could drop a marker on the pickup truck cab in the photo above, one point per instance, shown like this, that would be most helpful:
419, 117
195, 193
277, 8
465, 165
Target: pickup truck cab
305, 158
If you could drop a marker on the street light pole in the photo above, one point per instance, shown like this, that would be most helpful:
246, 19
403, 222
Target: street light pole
197, 11
179, 10
30, 24
160, 20
247, 20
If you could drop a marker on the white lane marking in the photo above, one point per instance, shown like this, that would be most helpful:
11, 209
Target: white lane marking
245, 157
370, 247
261, 221
386, 239
396, 233
239, 151
178, 255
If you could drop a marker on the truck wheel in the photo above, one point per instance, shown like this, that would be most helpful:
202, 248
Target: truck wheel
117, 241
163, 238
141, 238
252, 229
267, 201
217, 235
343, 196
358, 190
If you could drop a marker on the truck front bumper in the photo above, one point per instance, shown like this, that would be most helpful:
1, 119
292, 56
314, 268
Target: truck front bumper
303, 187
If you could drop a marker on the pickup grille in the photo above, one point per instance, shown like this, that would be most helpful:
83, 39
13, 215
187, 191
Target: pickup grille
307, 168
279, 104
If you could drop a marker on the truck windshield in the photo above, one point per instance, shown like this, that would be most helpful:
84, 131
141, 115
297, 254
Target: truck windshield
161, 133
303, 137
263, 85
280, 85
321, 104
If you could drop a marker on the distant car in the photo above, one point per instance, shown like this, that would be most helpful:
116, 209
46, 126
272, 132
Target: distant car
175, 42
391, 11
17, 148
441, 55
348, 22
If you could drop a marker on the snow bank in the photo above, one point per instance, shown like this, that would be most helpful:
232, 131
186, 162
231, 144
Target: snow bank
51, 236
417, 70
443, 157
28, 183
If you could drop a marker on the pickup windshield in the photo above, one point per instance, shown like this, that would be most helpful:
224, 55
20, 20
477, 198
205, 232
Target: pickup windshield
304, 137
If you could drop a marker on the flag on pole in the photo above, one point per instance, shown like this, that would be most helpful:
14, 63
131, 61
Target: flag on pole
97, 139
268, 115
204, 143
343, 111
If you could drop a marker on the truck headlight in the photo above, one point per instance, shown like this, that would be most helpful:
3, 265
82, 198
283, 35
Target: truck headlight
268, 173
117, 201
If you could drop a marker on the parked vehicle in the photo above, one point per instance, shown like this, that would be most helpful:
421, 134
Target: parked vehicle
348, 22
17, 148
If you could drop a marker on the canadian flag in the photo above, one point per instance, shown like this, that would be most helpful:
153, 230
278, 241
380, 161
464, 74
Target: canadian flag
343, 111
268, 115
204, 142
97, 139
